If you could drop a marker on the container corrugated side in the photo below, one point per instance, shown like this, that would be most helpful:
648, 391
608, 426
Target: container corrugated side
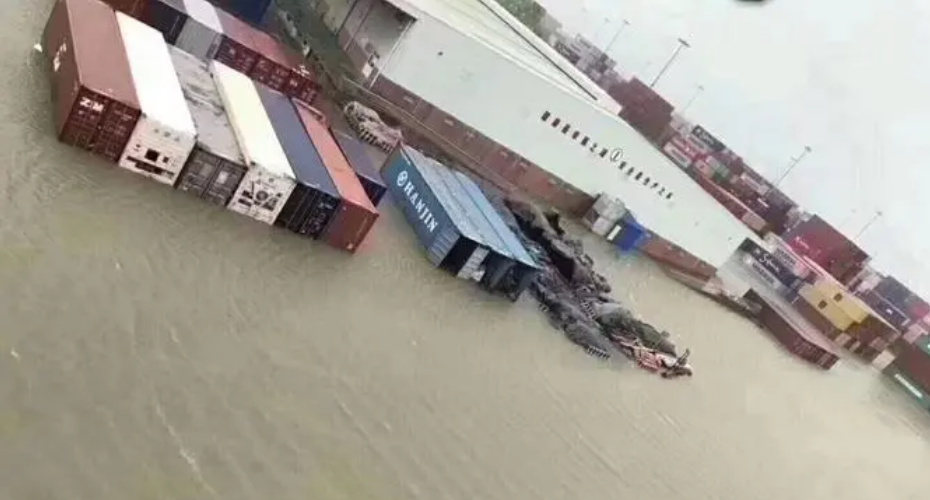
272, 67
216, 166
269, 181
315, 199
165, 135
361, 163
203, 31
357, 215
95, 100
235, 48
167, 16
416, 200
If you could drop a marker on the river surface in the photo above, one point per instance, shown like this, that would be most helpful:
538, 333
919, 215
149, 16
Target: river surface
154, 347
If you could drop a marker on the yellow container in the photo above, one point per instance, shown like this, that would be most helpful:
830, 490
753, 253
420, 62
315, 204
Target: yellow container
842, 297
824, 305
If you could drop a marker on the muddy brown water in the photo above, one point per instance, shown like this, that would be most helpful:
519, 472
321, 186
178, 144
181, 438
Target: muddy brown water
154, 347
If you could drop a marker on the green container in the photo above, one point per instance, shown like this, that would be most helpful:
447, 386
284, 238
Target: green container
913, 389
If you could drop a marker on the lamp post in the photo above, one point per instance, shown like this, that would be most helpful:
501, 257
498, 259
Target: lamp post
613, 40
873, 220
682, 44
793, 164
697, 92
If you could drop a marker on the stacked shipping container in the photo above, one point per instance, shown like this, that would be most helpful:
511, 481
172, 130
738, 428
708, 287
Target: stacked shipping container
216, 166
167, 16
165, 134
202, 33
269, 182
95, 99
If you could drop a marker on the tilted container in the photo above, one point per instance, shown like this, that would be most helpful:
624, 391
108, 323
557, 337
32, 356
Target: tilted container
165, 134
96, 106
356, 215
236, 48
315, 199
269, 182
445, 233
216, 166
362, 165
202, 33
167, 16
516, 278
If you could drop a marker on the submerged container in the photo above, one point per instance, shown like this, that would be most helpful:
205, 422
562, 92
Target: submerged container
361, 163
165, 134
315, 199
356, 215
269, 182
216, 166
167, 16
628, 234
445, 232
96, 106
236, 48
523, 269
202, 33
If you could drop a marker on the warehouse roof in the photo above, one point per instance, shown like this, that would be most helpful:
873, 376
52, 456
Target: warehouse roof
491, 24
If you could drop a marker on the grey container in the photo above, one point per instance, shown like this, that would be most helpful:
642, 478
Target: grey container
450, 240
514, 280
202, 33
216, 167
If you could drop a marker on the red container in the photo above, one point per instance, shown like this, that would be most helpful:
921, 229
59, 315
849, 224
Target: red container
356, 215
915, 363
237, 49
500, 159
96, 106
829, 248
272, 68
301, 84
397, 95
445, 126
806, 345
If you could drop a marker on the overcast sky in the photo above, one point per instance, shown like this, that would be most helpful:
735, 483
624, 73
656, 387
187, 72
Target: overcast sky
850, 78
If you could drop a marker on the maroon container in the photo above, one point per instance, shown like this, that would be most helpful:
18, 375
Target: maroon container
356, 216
272, 68
915, 363
237, 49
96, 106
805, 345
817, 320
396, 95
474, 143
500, 159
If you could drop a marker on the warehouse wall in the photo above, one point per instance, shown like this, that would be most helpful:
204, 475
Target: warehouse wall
515, 107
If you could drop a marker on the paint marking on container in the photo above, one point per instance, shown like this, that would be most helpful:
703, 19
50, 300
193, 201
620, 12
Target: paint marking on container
165, 134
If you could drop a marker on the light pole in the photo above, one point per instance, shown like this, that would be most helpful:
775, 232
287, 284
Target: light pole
613, 40
793, 164
682, 43
873, 220
697, 92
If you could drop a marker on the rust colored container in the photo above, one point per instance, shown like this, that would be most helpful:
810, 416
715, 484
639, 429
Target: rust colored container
236, 49
397, 95
793, 337
356, 216
300, 84
474, 143
816, 319
445, 126
96, 105
915, 363
500, 159
272, 68
422, 110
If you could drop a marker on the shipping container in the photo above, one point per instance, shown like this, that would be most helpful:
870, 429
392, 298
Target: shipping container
524, 270
356, 215
96, 106
919, 394
216, 166
913, 362
826, 307
130, 7
796, 338
450, 241
167, 16
315, 200
272, 68
268, 184
236, 48
355, 151
202, 33
886, 310
253, 11
165, 134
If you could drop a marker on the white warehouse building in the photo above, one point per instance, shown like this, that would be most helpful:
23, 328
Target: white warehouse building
479, 65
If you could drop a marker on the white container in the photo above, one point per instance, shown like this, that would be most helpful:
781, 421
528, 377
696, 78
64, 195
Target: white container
202, 32
270, 179
165, 135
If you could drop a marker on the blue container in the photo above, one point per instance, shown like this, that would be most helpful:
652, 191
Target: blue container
361, 163
315, 199
628, 234
443, 228
250, 11
524, 269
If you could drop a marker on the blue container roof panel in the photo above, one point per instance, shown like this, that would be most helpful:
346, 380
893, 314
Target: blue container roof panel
496, 221
418, 202
456, 214
472, 210
357, 155
301, 154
